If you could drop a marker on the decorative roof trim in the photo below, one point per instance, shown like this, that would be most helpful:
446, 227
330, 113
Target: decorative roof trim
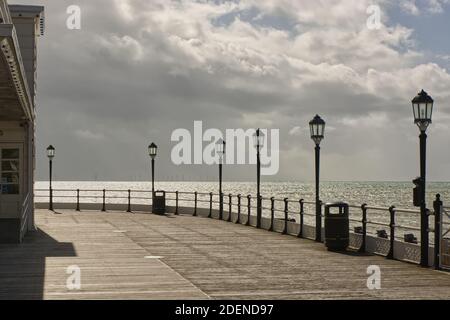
30, 12
11, 53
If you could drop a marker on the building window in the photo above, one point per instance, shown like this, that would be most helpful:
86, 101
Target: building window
10, 171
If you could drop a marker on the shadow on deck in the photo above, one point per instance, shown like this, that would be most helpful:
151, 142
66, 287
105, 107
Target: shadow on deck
22, 266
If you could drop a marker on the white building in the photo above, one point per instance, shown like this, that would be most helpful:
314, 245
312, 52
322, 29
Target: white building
20, 26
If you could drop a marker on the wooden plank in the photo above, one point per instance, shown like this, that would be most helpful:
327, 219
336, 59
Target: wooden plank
112, 266
199, 259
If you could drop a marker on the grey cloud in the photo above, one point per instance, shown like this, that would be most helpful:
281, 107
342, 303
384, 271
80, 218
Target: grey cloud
102, 100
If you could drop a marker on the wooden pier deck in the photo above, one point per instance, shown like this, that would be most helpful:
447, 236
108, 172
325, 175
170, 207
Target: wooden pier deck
144, 256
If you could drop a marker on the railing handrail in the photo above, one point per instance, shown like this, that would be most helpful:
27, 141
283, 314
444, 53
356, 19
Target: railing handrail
352, 206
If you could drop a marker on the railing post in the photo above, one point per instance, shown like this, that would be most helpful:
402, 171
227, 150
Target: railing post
104, 200
437, 205
319, 221
362, 249
302, 212
249, 203
129, 201
78, 199
220, 205
195, 204
176, 203
390, 255
51, 200
238, 220
210, 204
230, 205
272, 213
286, 209
258, 211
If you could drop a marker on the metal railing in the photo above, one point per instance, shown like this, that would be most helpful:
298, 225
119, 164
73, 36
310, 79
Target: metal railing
442, 234
382, 223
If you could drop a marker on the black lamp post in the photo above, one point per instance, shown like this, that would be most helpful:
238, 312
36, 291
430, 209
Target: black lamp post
50, 155
152, 150
220, 149
317, 128
258, 141
423, 109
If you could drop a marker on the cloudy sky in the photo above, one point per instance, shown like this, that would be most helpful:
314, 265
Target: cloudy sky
139, 69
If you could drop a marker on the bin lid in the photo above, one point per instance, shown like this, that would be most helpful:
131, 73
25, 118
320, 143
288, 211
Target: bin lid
160, 193
338, 204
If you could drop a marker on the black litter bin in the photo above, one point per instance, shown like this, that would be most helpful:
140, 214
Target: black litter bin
159, 202
337, 225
